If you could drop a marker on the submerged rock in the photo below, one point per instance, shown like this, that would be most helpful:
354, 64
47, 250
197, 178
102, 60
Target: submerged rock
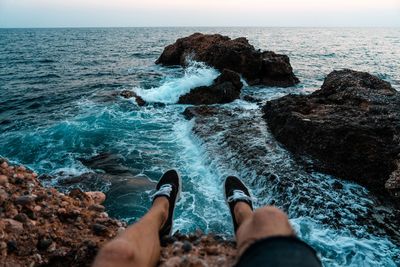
351, 126
225, 88
221, 52
131, 94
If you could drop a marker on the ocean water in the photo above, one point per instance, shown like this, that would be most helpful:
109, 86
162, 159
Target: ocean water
58, 109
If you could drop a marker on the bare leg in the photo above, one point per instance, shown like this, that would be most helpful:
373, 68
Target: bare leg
263, 222
139, 245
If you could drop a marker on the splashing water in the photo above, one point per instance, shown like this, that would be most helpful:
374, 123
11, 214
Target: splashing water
196, 74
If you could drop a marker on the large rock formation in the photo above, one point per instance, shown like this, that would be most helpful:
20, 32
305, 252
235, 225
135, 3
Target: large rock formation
224, 89
351, 127
238, 55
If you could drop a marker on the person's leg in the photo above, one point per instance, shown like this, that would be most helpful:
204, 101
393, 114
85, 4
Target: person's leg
261, 223
139, 245
264, 236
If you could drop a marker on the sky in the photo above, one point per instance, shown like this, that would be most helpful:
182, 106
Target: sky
139, 13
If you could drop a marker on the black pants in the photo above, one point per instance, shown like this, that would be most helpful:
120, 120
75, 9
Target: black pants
279, 252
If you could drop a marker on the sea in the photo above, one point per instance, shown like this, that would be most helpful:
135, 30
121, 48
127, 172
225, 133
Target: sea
60, 115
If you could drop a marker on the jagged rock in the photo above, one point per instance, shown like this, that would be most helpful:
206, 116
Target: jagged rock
238, 55
351, 127
393, 183
47, 227
224, 89
130, 94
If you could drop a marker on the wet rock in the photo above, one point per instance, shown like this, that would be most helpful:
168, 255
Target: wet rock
221, 52
225, 88
251, 99
351, 127
200, 111
130, 94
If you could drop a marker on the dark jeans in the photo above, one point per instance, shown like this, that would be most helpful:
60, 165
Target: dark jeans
279, 252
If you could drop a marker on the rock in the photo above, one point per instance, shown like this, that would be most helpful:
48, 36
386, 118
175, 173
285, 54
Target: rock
44, 243
221, 52
172, 262
130, 94
392, 185
96, 207
97, 197
4, 165
13, 225
21, 217
251, 99
12, 246
225, 88
186, 247
99, 229
351, 127
200, 111
3, 179
25, 200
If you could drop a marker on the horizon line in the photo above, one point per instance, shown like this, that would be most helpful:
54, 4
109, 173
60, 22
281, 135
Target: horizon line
241, 26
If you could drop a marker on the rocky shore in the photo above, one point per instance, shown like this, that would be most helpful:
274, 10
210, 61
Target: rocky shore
40, 226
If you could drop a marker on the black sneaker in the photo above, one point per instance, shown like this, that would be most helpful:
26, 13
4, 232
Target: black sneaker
170, 186
235, 191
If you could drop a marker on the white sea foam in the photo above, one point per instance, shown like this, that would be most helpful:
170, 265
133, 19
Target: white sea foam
196, 74
206, 201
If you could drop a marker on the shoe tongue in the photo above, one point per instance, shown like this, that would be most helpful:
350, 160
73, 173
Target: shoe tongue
237, 195
164, 190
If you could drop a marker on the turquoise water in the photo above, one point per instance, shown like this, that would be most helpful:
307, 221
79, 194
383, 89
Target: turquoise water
57, 106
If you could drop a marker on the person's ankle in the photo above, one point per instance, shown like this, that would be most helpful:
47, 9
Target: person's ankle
162, 203
242, 212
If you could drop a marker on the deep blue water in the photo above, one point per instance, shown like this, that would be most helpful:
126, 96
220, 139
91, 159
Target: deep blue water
56, 106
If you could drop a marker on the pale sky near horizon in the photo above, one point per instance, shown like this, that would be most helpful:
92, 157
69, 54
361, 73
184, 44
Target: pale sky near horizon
114, 13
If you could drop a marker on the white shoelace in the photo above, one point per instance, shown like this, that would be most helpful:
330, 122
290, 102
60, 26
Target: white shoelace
239, 195
165, 190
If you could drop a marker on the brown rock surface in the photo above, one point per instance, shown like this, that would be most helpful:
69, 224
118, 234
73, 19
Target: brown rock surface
43, 227
197, 250
221, 52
